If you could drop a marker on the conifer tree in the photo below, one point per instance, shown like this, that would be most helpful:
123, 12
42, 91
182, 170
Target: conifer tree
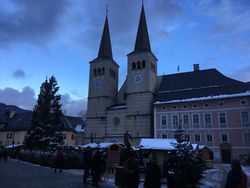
190, 162
46, 124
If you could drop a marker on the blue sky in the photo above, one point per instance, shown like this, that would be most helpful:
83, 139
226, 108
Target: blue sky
60, 37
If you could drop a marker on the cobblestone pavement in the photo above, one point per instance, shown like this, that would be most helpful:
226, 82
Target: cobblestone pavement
25, 175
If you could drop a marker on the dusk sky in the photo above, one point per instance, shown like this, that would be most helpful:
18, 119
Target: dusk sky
40, 38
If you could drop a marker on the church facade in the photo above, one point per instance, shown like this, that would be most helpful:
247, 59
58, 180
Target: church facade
213, 109
112, 113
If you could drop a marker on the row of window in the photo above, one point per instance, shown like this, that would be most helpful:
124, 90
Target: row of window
209, 138
138, 65
101, 72
222, 119
141, 65
205, 105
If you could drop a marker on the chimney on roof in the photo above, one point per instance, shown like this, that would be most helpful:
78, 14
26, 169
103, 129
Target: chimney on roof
196, 67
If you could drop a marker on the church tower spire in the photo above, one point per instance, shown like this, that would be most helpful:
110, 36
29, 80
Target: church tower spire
105, 49
142, 39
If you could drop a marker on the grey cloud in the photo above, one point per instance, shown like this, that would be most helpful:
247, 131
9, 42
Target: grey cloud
73, 107
24, 99
19, 74
229, 21
30, 21
242, 74
123, 21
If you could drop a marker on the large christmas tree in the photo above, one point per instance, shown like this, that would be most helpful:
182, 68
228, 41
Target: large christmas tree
46, 125
189, 161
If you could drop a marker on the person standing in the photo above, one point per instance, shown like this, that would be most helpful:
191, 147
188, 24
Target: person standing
59, 159
236, 177
131, 172
96, 168
87, 157
153, 174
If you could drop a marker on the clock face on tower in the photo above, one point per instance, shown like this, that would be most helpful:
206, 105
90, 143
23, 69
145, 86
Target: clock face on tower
138, 78
98, 83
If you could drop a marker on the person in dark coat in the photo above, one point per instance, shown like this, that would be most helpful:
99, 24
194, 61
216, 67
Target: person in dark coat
5, 155
96, 168
236, 177
153, 174
131, 172
87, 157
59, 159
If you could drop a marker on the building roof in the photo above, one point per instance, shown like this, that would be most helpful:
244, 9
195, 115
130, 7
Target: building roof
105, 50
199, 85
142, 39
157, 144
101, 145
21, 120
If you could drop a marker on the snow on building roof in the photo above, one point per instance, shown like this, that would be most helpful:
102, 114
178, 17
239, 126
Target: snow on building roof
162, 144
244, 94
79, 128
101, 145
157, 144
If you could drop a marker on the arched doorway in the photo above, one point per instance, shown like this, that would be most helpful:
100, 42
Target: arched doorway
226, 152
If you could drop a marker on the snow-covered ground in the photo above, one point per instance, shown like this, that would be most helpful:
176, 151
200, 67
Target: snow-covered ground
216, 177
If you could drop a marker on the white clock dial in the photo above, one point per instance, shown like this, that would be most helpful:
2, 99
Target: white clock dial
98, 83
137, 78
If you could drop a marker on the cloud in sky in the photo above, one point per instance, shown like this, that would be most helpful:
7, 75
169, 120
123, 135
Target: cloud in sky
26, 99
242, 74
229, 22
73, 107
19, 74
30, 21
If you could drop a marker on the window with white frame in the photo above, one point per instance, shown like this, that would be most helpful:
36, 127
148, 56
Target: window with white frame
185, 120
207, 119
163, 121
164, 136
224, 138
247, 139
206, 105
197, 138
222, 118
175, 121
221, 104
195, 105
245, 117
196, 120
243, 102
209, 138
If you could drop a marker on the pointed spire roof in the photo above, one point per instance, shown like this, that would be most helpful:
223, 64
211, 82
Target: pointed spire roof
142, 39
105, 50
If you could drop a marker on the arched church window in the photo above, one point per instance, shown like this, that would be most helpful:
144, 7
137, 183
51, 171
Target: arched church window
133, 66
103, 70
143, 63
138, 65
99, 71
94, 72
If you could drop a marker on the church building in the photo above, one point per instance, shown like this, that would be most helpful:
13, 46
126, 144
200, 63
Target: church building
208, 105
111, 113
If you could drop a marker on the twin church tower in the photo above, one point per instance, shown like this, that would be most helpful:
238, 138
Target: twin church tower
111, 113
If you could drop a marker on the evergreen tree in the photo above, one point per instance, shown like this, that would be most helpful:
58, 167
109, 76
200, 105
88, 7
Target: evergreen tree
46, 124
189, 161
